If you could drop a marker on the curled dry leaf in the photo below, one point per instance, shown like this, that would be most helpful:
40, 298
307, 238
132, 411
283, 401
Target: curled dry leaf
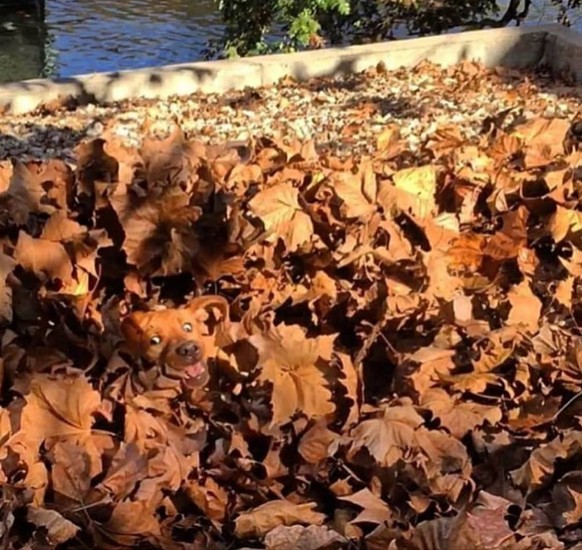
297, 537
259, 521
525, 307
374, 509
58, 529
538, 469
37, 188
130, 524
210, 497
72, 469
356, 191
44, 258
318, 443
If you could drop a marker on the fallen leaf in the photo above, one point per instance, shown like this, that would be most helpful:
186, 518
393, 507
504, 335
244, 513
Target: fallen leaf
44, 258
525, 307
7, 264
279, 210
297, 537
210, 497
59, 530
259, 521
374, 509
291, 363
318, 443
388, 436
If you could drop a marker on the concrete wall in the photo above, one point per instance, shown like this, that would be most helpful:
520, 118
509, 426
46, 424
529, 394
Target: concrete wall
563, 52
520, 47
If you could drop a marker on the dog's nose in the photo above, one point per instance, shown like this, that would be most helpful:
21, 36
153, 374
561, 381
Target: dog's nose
188, 349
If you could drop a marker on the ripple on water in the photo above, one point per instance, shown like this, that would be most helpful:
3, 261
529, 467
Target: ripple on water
84, 36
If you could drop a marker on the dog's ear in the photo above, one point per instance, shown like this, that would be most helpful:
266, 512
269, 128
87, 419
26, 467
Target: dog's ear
209, 302
131, 328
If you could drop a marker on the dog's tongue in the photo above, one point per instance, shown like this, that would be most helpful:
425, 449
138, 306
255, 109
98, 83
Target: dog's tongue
195, 370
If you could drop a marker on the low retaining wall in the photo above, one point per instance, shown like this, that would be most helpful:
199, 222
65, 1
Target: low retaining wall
520, 47
563, 51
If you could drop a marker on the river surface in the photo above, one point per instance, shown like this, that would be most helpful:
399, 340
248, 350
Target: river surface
85, 36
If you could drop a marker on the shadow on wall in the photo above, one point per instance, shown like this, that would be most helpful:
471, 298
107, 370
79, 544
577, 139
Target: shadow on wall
26, 96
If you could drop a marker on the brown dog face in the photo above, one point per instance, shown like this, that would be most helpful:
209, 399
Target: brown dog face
176, 340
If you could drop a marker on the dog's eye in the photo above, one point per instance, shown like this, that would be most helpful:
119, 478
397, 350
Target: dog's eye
187, 327
155, 340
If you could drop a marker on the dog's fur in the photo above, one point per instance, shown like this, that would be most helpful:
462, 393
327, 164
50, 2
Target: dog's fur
175, 342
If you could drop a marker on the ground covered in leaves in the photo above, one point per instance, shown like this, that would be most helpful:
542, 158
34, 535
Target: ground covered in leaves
402, 367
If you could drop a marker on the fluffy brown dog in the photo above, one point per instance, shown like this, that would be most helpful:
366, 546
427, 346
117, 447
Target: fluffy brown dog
176, 341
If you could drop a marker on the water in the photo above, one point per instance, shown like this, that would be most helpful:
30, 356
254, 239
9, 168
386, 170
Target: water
84, 36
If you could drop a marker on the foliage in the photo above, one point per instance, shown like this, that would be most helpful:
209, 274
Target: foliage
248, 21
261, 26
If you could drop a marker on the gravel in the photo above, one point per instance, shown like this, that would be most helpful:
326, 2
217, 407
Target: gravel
342, 114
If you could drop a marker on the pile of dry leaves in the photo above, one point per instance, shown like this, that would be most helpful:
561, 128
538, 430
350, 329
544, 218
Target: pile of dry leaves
403, 362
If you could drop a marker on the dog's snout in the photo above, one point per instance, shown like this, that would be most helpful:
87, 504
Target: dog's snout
189, 349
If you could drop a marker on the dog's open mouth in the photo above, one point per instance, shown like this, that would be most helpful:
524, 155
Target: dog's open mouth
194, 372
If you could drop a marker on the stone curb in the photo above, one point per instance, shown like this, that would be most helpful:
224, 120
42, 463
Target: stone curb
517, 47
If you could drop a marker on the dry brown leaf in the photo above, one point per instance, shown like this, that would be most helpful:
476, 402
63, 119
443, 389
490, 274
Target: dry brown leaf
388, 141
44, 258
564, 291
72, 469
543, 138
279, 210
60, 228
356, 191
536, 472
38, 188
128, 467
131, 523
320, 286
291, 363
7, 264
297, 537
417, 189
525, 307
259, 521
59, 408
374, 509
5, 175
567, 499
456, 416
59, 530
169, 161
446, 463
389, 436
565, 222
159, 235
210, 497
318, 443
